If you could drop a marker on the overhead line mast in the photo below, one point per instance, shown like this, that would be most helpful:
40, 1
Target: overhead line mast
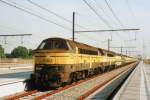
73, 26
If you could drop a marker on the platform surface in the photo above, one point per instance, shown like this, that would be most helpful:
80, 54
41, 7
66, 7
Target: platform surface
137, 86
17, 72
12, 78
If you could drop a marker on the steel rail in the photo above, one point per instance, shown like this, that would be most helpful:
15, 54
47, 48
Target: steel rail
20, 95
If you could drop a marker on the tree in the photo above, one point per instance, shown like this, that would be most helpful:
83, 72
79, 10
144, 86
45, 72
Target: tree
2, 55
20, 52
8, 55
30, 53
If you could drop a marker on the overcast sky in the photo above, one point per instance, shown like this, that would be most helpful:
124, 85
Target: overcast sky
131, 13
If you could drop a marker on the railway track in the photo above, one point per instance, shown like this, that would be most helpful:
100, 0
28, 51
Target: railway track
78, 90
20, 95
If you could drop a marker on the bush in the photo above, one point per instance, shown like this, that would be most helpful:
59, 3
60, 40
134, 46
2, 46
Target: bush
20, 52
2, 55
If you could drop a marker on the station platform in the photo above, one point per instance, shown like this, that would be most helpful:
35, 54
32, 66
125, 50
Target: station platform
12, 80
8, 66
13, 76
137, 85
14, 72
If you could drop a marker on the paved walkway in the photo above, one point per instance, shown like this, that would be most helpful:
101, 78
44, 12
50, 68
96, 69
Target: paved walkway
13, 75
12, 80
137, 86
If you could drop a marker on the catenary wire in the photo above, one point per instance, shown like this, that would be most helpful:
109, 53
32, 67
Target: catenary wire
100, 17
102, 9
33, 14
40, 16
59, 16
112, 11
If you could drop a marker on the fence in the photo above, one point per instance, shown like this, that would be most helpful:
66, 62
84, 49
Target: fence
16, 60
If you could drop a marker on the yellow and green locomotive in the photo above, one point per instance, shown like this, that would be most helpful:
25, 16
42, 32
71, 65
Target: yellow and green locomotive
59, 60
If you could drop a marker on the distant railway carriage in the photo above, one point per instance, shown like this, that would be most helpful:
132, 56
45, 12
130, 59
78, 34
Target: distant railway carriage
59, 60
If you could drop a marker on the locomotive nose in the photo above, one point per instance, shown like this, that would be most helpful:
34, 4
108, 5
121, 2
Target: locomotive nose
45, 59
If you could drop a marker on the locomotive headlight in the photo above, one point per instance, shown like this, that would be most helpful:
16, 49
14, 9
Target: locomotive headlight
47, 60
38, 68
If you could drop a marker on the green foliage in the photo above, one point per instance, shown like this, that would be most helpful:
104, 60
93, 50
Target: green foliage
2, 55
8, 55
30, 53
20, 52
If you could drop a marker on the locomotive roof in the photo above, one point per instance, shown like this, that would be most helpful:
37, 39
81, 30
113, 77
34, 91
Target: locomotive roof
85, 46
78, 44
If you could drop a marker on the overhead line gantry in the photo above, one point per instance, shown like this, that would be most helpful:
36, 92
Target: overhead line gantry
108, 30
14, 35
111, 30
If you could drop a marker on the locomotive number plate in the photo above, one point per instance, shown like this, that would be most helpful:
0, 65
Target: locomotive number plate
48, 60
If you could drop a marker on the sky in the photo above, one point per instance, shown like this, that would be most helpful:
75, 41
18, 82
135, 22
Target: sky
130, 14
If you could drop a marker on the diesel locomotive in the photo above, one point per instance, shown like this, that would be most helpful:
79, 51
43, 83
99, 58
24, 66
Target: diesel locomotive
59, 61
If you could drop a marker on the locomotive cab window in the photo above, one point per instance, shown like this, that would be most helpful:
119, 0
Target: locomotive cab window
85, 51
110, 55
53, 44
101, 52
